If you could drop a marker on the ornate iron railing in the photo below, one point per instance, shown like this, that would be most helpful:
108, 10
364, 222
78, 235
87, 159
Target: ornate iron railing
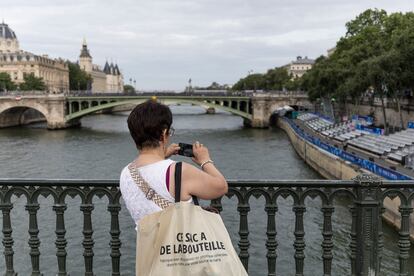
365, 192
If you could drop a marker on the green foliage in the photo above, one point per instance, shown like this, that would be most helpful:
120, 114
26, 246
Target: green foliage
78, 78
376, 52
274, 79
213, 86
251, 82
376, 55
6, 83
31, 82
129, 89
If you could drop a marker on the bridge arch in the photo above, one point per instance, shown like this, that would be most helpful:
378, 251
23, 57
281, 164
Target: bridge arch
22, 114
205, 104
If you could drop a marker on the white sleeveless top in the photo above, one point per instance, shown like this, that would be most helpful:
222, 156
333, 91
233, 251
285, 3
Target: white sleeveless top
136, 202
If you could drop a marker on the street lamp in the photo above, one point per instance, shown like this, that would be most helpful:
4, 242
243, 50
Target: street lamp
333, 107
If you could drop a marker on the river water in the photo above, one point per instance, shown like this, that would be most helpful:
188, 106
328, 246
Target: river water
102, 147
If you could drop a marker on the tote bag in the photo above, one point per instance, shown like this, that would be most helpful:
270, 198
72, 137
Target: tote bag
183, 239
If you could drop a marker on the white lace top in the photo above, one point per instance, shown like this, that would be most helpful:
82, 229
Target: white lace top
136, 202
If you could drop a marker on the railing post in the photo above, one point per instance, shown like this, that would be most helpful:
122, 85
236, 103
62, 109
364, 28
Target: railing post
367, 207
60, 242
34, 241
7, 239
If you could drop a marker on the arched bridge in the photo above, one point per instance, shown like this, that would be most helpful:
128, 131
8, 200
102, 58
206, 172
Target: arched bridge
80, 106
62, 111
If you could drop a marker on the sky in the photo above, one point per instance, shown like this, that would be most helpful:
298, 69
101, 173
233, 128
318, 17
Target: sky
163, 43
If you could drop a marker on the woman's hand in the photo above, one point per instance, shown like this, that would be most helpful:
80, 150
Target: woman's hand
171, 150
200, 153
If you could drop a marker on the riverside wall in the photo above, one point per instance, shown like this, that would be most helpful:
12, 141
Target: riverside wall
332, 167
393, 117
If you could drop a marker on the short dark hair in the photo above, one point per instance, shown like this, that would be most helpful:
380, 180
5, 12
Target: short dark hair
147, 122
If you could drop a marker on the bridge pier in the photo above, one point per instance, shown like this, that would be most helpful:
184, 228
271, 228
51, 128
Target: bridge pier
211, 110
56, 110
263, 105
63, 125
260, 112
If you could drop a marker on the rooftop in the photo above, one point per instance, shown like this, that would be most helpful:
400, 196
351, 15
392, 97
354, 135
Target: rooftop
6, 32
305, 60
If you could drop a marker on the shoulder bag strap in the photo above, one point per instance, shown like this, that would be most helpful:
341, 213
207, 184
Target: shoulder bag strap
177, 183
149, 192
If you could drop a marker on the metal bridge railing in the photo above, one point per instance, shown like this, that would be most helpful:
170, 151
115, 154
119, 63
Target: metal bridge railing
365, 192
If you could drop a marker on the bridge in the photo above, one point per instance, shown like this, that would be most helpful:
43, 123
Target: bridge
62, 111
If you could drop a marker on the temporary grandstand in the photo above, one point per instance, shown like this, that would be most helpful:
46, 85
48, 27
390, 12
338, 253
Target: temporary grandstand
397, 147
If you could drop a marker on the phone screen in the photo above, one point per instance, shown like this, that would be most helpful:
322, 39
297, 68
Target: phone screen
186, 150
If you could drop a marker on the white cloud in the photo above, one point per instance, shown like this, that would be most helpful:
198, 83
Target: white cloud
162, 43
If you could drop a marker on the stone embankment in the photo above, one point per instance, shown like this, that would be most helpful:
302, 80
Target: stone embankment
332, 167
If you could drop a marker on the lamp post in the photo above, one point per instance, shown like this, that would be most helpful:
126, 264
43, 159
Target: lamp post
333, 100
248, 74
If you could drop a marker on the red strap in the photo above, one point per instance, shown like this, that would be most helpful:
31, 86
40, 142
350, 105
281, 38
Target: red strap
167, 178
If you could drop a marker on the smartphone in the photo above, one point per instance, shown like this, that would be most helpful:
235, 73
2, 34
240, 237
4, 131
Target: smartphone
186, 150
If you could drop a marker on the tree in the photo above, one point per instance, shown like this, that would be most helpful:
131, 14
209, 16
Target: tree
276, 79
375, 55
251, 82
129, 89
78, 78
213, 86
31, 82
354, 67
6, 83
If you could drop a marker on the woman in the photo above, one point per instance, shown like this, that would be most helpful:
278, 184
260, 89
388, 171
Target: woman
150, 126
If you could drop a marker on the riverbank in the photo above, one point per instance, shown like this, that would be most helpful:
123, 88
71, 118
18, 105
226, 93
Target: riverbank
333, 167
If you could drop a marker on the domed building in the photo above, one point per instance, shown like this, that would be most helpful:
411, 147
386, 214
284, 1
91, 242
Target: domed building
17, 63
108, 80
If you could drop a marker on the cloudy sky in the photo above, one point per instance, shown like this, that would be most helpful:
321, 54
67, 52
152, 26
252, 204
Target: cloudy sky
163, 43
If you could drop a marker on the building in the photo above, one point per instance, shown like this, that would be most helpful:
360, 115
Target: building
17, 63
108, 80
331, 51
299, 66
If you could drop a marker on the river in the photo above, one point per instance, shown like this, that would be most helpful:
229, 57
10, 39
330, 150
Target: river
102, 147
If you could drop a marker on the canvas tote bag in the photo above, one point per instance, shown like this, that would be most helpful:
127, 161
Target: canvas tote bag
182, 239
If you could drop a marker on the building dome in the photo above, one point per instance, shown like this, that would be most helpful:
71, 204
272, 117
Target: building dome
6, 32
8, 39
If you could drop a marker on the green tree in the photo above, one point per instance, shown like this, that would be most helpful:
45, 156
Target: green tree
5, 82
376, 55
31, 82
353, 68
251, 82
78, 78
276, 79
129, 89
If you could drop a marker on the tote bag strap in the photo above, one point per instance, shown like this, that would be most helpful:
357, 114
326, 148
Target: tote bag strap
177, 180
149, 192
